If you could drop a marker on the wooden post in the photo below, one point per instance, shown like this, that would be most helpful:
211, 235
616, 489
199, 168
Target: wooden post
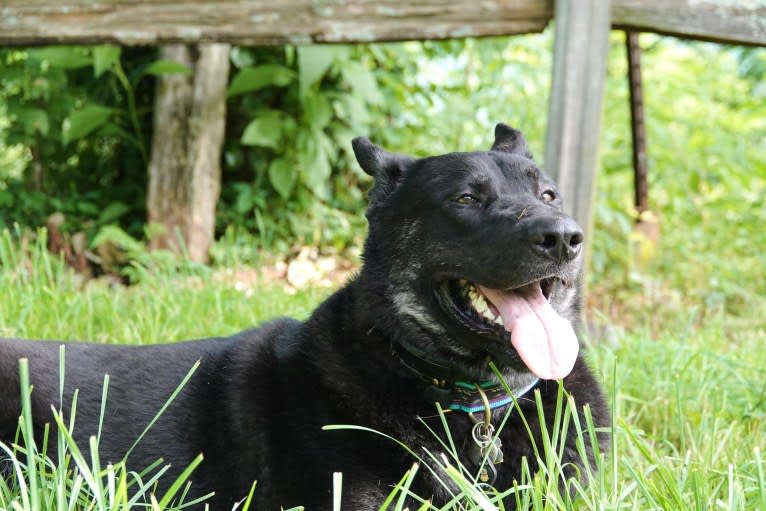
185, 170
574, 116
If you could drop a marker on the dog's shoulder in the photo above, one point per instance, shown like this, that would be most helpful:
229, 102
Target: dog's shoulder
273, 335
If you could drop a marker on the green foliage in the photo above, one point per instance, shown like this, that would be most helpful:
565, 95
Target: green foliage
706, 140
69, 142
83, 122
301, 107
128, 257
166, 67
254, 78
72, 113
447, 96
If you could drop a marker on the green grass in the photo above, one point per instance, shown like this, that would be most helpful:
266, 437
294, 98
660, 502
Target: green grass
688, 397
38, 300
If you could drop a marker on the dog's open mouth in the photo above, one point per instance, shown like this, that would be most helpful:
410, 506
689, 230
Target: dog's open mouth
544, 341
471, 306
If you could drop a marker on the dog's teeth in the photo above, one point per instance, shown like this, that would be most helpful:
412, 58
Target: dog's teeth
481, 307
488, 315
499, 321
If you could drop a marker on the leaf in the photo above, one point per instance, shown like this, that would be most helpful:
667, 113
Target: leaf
180, 481
117, 236
83, 122
362, 81
83, 206
104, 57
313, 63
33, 119
264, 131
315, 166
283, 174
166, 67
112, 212
111, 129
316, 110
65, 57
244, 197
351, 107
255, 78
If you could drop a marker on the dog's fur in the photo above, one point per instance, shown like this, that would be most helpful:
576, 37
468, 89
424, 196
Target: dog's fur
257, 404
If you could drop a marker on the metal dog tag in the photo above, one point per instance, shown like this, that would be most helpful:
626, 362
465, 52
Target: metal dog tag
485, 446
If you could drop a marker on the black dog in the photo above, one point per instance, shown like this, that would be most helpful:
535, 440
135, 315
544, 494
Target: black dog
469, 259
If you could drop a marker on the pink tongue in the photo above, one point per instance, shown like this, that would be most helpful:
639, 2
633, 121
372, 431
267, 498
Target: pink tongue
545, 341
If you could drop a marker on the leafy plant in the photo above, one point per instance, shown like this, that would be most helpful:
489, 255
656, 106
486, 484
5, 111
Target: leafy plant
74, 113
301, 106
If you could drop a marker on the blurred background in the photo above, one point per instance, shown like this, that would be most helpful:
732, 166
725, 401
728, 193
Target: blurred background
76, 124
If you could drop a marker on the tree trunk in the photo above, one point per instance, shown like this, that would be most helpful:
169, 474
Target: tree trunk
184, 169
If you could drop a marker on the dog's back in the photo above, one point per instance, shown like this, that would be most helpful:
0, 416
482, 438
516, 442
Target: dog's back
202, 418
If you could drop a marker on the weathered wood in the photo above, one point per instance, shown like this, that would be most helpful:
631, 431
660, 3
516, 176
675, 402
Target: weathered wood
263, 22
728, 21
185, 169
574, 116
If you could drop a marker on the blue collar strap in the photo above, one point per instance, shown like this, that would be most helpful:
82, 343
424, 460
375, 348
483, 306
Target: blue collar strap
453, 390
466, 398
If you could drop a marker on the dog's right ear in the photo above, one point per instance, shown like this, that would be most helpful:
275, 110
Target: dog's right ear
510, 140
387, 168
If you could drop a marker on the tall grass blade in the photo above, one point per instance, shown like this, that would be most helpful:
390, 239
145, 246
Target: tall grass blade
337, 490
180, 480
249, 499
28, 432
404, 490
163, 408
102, 411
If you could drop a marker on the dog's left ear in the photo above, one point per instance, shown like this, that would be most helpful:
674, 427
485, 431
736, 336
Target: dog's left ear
510, 140
387, 168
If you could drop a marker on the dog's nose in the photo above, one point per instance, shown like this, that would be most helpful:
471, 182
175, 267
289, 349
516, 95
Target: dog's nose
557, 238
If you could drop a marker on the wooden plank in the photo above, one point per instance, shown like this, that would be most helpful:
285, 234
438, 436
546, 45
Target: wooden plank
263, 22
727, 21
574, 116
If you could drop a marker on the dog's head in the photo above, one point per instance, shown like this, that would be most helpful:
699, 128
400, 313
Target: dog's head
474, 256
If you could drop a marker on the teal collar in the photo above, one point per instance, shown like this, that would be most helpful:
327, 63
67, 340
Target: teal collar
453, 390
465, 397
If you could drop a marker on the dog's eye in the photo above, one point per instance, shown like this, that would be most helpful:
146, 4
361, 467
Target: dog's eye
467, 198
548, 196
